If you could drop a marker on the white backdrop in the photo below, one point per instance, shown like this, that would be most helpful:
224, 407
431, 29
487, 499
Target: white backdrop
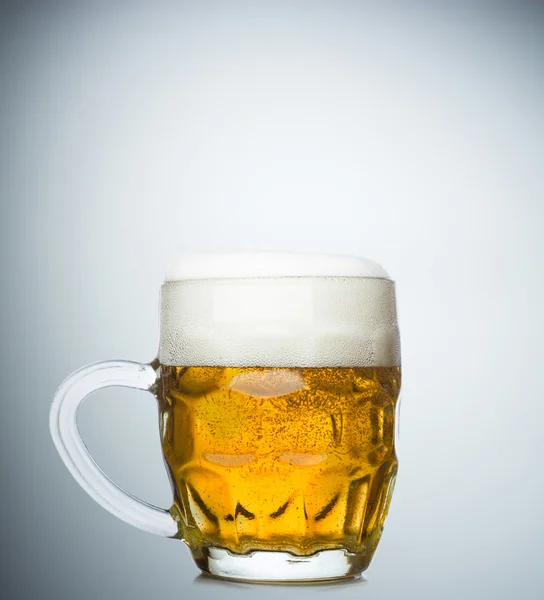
415, 137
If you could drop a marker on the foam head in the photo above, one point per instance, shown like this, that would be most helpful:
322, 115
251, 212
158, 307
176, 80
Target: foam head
278, 310
239, 265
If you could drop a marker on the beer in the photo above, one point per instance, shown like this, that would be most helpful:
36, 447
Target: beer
277, 377
287, 459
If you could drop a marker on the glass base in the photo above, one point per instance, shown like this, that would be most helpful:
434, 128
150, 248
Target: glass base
279, 567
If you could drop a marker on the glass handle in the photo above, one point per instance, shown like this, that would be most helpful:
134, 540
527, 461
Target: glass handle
76, 457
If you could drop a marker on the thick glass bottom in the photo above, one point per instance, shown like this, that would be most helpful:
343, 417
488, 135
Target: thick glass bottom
278, 567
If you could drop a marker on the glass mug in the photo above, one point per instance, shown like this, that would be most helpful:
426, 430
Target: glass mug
277, 381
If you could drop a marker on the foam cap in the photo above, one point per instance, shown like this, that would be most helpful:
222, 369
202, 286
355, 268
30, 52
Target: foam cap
272, 264
278, 310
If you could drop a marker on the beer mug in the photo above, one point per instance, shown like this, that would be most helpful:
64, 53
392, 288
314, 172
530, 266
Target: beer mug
276, 381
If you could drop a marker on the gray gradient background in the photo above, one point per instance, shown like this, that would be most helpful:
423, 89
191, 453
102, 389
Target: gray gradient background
130, 134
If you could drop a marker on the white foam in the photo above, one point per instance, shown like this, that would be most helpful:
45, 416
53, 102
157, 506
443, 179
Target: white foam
239, 265
314, 321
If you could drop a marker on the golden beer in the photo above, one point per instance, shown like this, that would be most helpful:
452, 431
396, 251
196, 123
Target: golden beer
277, 377
287, 459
